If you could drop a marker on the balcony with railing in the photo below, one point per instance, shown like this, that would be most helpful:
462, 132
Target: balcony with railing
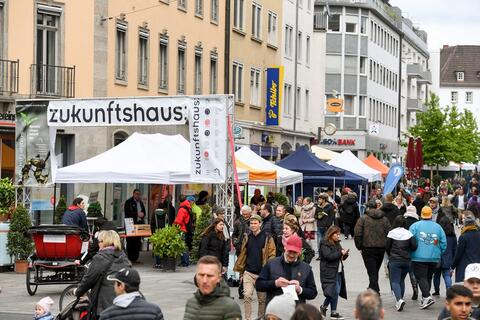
415, 105
8, 77
415, 70
52, 81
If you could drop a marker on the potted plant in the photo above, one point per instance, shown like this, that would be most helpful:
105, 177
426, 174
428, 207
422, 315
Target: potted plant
94, 210
19, 244
203, 222
168, 245
7, 198
60, 209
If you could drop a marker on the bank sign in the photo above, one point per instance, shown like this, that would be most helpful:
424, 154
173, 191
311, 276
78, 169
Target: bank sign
338, 142
274, 95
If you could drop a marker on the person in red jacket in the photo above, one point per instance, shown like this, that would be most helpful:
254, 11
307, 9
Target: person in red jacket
185, 221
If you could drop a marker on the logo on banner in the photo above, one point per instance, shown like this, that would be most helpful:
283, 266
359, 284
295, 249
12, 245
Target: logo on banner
274, 95
394, 175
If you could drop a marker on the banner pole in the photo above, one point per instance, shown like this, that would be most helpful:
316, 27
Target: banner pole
232, 150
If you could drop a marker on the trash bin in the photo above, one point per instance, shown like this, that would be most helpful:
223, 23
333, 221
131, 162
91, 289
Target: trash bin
5, 259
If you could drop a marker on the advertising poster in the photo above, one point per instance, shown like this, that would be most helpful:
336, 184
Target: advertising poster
274, 96
32, 154
158, 194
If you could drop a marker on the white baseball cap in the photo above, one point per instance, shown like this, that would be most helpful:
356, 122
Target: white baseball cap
472, 271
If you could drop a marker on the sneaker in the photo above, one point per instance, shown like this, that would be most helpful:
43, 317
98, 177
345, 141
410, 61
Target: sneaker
400, 304
436, 293
427, 302
336, 316
323, 310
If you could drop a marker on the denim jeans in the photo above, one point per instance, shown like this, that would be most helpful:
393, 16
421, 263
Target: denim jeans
398, 272
446, 277
333, 301
320, 234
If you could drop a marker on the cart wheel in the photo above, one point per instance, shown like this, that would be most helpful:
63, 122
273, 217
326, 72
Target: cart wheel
67, 296
31, 286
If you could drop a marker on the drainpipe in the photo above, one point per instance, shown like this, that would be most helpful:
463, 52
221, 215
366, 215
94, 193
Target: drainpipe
399, 111
226, 71
295, 71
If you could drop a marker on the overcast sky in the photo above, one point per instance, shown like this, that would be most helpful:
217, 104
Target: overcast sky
449, 22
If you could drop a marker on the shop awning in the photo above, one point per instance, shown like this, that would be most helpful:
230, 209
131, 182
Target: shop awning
376, 164
262, 172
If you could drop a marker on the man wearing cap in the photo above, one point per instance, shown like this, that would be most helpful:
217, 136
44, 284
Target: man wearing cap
432, 243
288, 270
370, 238
135, 209
467, 249
257, 248
185, 221
471, 282
129, 303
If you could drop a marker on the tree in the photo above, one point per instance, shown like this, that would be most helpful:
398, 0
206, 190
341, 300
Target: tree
432, 128
60, 209
203, 222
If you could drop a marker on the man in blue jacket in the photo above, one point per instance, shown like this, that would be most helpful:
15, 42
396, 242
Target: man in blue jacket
287, 270
432, 242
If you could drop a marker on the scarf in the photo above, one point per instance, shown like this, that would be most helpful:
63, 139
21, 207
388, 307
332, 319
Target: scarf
469, 228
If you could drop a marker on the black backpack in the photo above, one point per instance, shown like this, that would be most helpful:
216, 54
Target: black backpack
190, 224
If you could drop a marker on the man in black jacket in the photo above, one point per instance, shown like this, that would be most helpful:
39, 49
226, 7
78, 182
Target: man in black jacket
418, 202
134, 209
271, 225
287, 270
370, 238
325, 216
129, 303
390, 210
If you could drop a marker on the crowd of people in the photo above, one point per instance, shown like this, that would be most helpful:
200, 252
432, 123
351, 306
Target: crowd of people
412, 232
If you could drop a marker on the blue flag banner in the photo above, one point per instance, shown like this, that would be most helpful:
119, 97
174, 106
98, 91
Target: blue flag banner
394, 175
274, 96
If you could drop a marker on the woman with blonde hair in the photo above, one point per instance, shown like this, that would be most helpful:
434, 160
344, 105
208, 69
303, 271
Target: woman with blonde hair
448, 210
109, 259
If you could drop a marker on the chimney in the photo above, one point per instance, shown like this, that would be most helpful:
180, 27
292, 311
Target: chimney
445, 46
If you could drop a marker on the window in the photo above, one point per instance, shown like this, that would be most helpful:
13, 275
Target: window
214, 11
334, 23
299, 47
182, 4
213, 73
363, 62
256, 20
460, 76
198, 71
255, 87
199, 7
143, 57
288, 40
272, 28
287, 101
47, 50
363, 25
348, 105
350, 27
307, 53
181, 67
237, 77
362, 100
163, 63
298, 104
307, 104
454, 96
238, 14
121, 52
469, 97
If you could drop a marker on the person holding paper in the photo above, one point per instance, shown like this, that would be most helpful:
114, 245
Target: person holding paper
135, 209
288, 274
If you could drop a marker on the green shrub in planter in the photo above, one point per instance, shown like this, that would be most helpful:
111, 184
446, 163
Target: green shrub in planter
19, 243
281, 199
168, 243
203, 222
60, 209
7, 196
94, 210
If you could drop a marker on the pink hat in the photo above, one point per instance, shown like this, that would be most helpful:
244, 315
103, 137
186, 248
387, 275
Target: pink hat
294, 243
46, 304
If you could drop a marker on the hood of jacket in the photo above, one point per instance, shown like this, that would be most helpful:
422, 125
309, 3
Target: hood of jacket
388, 207
375, 213
351, 199
399, 234
74, 208
222, 290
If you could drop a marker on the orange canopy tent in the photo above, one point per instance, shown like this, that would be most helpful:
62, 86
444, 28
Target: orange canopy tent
376, 164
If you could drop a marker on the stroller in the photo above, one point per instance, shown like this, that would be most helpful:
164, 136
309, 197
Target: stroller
78, 309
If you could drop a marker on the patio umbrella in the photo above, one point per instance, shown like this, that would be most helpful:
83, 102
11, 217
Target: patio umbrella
411, 159
418, 158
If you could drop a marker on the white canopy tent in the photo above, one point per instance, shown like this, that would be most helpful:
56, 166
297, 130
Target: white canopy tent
273, 174
347, 160
142, 158
323, 154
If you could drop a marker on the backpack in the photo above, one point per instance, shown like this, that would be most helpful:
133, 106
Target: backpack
190, 224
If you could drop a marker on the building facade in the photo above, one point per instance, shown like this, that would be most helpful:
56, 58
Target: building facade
364, 68
101, 48
459, 78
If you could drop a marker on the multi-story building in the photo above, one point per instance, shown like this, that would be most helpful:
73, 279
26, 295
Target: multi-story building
459, 76
363, 66
255, 45
300, 116
107, 48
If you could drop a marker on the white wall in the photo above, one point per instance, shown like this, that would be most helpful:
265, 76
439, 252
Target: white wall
474, 107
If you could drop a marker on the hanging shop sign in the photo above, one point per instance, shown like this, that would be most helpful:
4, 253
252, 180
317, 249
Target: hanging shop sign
339, 142
274, 95
335, 105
